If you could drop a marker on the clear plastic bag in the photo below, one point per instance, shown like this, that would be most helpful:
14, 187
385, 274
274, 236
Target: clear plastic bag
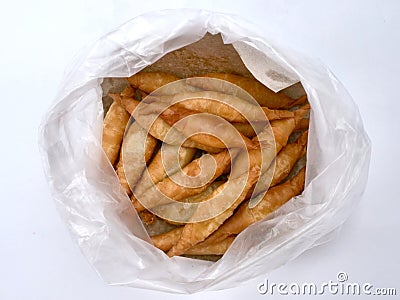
99, 214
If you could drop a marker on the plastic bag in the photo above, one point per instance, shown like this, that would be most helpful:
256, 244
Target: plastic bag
99, 214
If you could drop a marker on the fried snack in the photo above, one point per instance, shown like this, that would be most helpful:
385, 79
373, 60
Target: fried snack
136, 143
149, 82
115, 97
218, 248
129, 104
273, 199
174, 114
159, 168
281, 129
147, 217
277, 114
203, 196
263, 95
160, 128
253, 152
171, 189
287, 158
202, 141
301, 112
128, 92
157, 83
302, 124
284, 163
166, 240
113, 130
265, 138
139, 95
229, 107
270, 145
219, 85
247, 129
194, 233
213, 103
121, 176
300, 101
197, 198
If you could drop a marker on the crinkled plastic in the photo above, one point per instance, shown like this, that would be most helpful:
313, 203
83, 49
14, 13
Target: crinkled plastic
99, 214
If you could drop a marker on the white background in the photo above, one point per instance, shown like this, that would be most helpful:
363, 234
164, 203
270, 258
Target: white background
358, 40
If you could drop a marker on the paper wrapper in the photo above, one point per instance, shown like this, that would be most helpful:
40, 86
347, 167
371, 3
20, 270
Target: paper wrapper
210, 55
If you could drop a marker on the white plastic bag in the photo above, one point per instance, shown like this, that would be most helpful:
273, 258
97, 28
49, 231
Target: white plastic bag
100, 216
